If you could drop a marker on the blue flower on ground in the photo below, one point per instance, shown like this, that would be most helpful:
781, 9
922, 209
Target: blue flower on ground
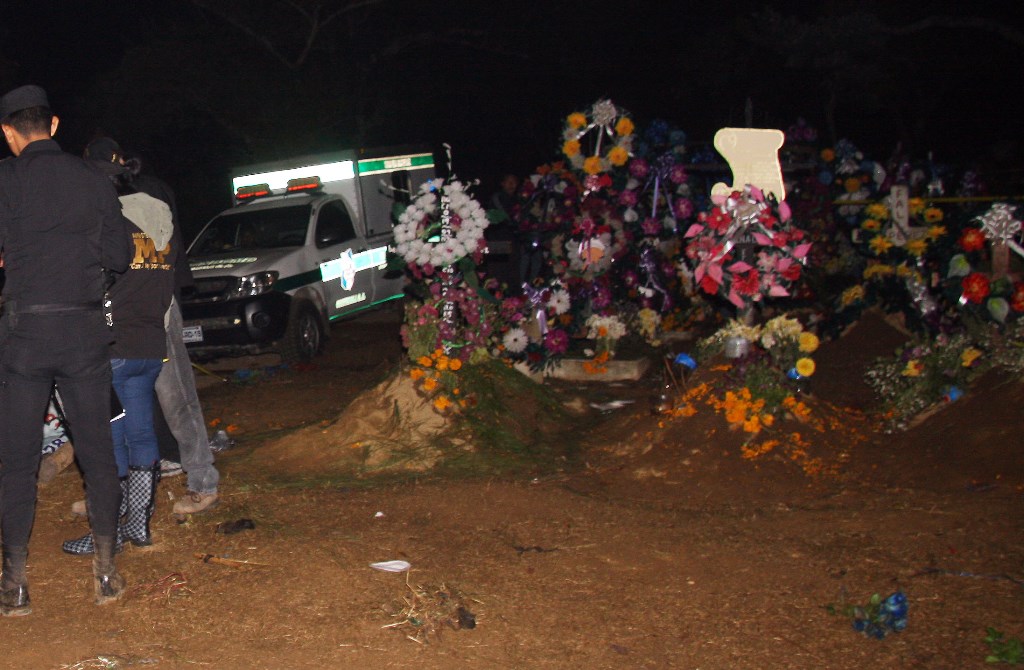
686, 360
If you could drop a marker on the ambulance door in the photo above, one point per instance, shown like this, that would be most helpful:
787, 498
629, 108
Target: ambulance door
347, 287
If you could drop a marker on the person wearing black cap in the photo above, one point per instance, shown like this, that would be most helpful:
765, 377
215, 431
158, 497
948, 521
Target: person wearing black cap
57, 212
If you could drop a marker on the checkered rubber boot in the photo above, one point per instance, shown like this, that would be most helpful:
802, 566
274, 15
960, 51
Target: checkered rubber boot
142, 484
83, 546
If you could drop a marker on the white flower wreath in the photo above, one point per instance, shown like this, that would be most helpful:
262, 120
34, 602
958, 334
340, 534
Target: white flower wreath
418, 233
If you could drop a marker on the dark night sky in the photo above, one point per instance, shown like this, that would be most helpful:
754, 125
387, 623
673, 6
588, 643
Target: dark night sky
498, 90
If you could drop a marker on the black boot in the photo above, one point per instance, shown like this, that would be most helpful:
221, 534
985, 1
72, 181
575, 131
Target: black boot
108, 584
142, 484
83, 546
14, 600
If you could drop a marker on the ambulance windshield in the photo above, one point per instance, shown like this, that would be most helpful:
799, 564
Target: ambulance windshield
271, 228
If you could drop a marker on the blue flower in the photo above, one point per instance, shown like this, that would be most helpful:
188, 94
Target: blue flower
686, 360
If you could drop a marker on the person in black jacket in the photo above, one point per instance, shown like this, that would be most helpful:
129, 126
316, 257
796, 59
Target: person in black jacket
60, 227
139, 299
176, 386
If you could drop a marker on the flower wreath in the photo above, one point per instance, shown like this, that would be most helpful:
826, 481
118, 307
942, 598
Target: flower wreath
603, 120
779, 248
594, 242
419, 233
656, 190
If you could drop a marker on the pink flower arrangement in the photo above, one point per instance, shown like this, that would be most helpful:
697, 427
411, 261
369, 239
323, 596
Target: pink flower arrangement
747, 248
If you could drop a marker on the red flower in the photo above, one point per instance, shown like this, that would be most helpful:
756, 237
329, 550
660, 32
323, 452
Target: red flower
709, 285
747, 283
1017, 298
792, 273
718, 220
972, 239
975, 287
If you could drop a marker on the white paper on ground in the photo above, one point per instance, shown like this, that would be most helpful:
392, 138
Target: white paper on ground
391, 566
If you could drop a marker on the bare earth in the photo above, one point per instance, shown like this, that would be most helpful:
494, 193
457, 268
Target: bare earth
665, 549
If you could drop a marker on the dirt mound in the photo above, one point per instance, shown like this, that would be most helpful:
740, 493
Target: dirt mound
388, 427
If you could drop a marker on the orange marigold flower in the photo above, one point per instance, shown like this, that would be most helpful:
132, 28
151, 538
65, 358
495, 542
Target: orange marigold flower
425, 361
851, 185
416, 374
577, 120
429, 384
442, 363
455, 364
441, 403
592, 165
571, 148
618, 156
828, 155
624, 126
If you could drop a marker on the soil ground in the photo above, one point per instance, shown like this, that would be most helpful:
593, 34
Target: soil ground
664, 548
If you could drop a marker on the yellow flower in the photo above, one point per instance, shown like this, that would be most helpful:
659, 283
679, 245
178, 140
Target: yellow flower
935, 232
828, 155
805, 367
877, 210
933, 215
905, 271
870, 224
592, 165
914, 368
624, 126
880, 244
968, 356
877, 270
916, 206
571, 148
917, 247
577, 120
808, 342
618, 156
851, 185
852, 295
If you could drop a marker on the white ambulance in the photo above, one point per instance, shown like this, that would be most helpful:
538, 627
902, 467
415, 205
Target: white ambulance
305, 244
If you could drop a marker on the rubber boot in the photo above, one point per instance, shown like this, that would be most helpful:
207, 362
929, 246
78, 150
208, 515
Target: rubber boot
108, 583
83, 546
142, 483
14, 600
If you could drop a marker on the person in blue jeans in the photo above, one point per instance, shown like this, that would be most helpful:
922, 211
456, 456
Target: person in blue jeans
139, 299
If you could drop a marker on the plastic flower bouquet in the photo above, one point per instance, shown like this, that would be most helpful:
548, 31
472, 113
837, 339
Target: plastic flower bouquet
746, 249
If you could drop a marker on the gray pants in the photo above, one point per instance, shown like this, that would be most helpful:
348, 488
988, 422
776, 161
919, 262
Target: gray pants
176, 391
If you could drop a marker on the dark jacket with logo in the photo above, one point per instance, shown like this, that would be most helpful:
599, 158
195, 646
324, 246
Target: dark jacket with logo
140, 297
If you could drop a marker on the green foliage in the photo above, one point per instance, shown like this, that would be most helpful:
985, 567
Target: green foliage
1003, 649
516, 424
924, 372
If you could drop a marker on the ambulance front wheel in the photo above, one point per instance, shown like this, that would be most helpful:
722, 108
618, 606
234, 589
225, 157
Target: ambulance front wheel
304, 337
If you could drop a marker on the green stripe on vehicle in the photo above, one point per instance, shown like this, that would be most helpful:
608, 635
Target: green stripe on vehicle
370, 166
297, 281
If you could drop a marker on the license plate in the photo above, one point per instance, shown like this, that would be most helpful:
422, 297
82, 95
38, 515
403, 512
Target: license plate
192, 334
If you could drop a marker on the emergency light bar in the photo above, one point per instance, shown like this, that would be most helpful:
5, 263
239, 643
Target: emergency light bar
277, 180
254, 191
303, 184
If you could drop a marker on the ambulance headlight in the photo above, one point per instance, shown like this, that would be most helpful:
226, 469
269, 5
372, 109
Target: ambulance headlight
255, 284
